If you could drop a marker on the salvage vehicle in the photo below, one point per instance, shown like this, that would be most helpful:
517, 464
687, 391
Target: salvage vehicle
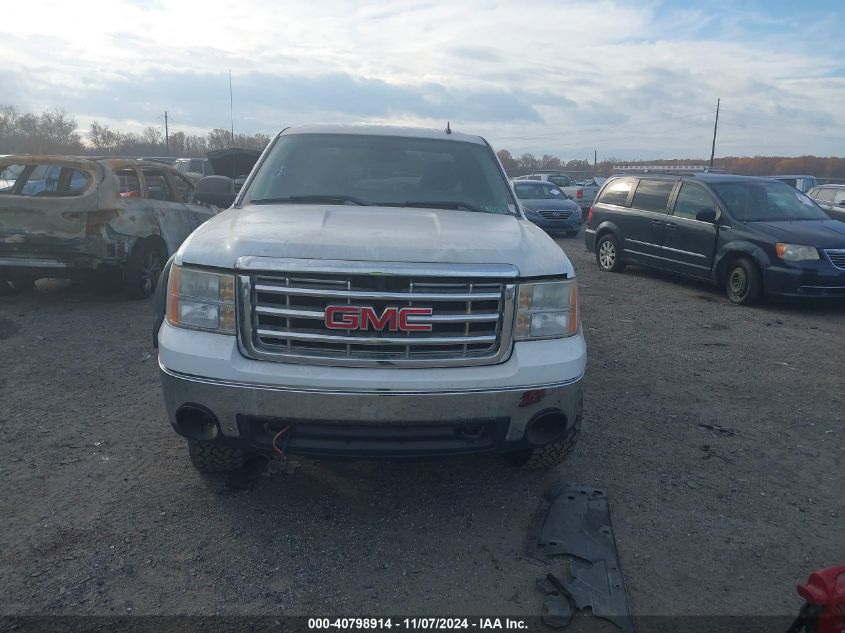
118, 219
404, 307
548, 207
754, 236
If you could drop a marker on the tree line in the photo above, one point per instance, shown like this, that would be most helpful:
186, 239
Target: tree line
56, 132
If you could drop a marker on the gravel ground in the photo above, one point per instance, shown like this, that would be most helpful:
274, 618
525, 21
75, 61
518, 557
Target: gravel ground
716, 429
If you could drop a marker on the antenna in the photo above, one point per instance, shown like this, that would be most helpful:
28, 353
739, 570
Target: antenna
448, 129
231, 111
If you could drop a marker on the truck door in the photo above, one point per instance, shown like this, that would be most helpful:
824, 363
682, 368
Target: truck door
689, 244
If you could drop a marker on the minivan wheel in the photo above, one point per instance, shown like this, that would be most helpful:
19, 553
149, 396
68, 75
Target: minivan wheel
607, 254
743, 283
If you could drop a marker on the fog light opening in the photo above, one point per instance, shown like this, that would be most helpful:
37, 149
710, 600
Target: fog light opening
196, 422
545, 428
471, 431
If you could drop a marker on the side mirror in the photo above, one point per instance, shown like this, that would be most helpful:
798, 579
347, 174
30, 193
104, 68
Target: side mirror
216, 190
706, 215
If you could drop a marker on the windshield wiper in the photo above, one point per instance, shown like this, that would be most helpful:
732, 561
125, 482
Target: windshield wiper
436, 204
309, 199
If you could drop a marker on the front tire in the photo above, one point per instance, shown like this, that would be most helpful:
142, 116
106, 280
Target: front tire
143, 269
607, 254
743, 283
548, 455
213, 457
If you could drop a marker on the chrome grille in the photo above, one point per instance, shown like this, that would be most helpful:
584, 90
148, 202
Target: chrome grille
283, 312
555, 215
836, 257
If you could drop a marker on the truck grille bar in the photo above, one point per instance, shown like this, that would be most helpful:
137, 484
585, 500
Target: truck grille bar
283, 313
837, 257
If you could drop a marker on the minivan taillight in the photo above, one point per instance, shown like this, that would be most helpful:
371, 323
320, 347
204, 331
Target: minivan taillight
590, 217
579, 194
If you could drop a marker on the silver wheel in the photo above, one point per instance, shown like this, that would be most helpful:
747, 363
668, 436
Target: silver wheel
607, 254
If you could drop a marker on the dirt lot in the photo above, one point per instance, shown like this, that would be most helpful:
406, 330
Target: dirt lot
716, 429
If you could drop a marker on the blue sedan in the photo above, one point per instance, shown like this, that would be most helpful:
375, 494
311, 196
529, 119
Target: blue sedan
548, 207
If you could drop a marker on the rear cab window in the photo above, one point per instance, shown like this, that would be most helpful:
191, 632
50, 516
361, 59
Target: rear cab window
653, 195
617, 191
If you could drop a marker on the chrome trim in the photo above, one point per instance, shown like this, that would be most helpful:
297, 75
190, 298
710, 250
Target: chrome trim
628, 239
677, 250
395, 269
343, 392
362, 294
248, 332
840, 252
375, 340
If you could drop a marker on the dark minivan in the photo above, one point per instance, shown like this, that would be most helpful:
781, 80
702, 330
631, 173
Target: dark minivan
752, 235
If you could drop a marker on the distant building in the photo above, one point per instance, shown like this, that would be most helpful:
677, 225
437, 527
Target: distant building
662, 168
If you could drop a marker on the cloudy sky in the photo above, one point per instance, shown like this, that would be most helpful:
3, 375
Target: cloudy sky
631, 79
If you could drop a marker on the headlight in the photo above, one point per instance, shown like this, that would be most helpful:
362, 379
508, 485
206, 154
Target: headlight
547, 309
201, 300
796, 252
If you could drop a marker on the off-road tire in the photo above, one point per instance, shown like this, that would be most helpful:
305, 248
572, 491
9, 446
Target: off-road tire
143, 269
607, 254
743, 282
548, 455
213, 457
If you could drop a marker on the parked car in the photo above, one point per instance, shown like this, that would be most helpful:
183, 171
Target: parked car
752, 235
548, 207
164, 160
582, 194
801, 183
401, 307
195, 166
76, 217
831, 198
234, 163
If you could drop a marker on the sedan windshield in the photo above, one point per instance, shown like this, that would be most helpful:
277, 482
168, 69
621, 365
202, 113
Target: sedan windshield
536, 191
764, 201
381, 170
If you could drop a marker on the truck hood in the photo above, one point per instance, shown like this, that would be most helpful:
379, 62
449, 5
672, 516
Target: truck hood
381, 234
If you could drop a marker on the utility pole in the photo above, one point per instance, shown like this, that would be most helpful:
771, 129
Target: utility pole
715, 127
166, 136
595, 158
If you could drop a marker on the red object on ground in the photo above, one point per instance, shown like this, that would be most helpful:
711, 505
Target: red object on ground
825, 590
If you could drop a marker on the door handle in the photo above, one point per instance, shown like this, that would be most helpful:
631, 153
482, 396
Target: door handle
657, 221
671, 225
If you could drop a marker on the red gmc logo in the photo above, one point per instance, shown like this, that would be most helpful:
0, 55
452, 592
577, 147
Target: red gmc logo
365, 318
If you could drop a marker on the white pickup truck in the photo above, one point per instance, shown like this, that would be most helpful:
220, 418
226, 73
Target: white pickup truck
372, 292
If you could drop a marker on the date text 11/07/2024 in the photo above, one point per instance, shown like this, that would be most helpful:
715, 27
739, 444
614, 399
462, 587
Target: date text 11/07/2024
416, 623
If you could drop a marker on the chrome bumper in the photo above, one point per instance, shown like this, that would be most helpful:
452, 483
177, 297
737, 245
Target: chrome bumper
229, 400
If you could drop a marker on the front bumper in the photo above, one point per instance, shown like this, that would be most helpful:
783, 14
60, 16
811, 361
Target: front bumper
807, 279
370, 412
555, 227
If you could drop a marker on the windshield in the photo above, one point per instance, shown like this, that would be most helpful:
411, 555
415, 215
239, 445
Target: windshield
767, 201
381, 170
537, 191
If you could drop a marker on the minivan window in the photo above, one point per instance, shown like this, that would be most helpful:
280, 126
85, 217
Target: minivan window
653, 195
691, 199
767, 201
382, 170
617, 192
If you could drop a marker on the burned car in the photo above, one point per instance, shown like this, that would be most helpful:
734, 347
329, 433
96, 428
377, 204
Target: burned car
112, 218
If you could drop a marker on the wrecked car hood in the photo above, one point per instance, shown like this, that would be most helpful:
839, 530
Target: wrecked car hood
381, 234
